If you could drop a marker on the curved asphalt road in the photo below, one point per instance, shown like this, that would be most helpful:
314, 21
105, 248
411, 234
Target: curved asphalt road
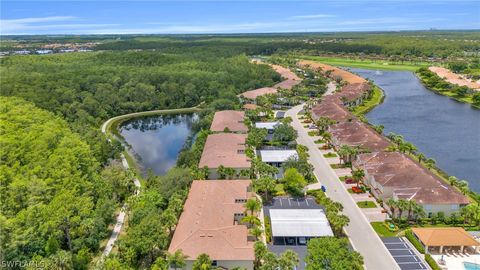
361, 234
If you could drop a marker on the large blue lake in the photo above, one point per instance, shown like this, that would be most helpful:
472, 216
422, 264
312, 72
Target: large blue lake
444, 129
157, 140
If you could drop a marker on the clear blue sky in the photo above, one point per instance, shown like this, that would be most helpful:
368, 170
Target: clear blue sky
171, 17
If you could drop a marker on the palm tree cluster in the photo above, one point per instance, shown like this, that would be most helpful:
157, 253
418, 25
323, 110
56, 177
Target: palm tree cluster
252, 206
348, 153
267, 260
460, 184
333, 210
413, 209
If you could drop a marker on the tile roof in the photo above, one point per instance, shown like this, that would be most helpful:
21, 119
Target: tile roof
356, 133
330, 107
453, 236
233, 120
409, 179
345, 75
353, 91
250, 106
253, 94
207, 222
227, 149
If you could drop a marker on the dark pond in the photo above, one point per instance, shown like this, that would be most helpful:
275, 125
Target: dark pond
444, 129
157, 140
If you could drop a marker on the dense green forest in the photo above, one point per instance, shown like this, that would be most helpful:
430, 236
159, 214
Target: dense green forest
408, 44
56, 201
88, 88
58, 183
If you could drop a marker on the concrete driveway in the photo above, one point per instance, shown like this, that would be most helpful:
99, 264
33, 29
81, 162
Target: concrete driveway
361, 234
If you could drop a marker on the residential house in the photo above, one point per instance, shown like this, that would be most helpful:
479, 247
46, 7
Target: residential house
211, 223
356, 133
227, 150
231, 121
395, 175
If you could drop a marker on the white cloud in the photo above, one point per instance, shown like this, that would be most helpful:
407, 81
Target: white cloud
313, 16
25, 24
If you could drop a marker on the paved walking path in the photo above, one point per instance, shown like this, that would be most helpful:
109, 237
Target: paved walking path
361, 234
120, 220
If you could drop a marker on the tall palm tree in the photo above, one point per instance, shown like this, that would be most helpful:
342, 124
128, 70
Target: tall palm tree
256, 231
344, 153
358, 175
474, 212
393, 205
430, 162
251, 221
327, 136
253, 205
453, 180
418, 212
411, 204
421, 157
402, 206
465, 214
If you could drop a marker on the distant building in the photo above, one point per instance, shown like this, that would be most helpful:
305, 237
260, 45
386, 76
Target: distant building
395, 175
227, 150
22, 52
211, 223
44, 51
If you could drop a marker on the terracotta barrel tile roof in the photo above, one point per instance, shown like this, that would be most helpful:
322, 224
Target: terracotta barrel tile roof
207, 222
353, 91
345, 75
409, 179
331, 108
454, 236
356, 133
233, 120
227, 149
253, 94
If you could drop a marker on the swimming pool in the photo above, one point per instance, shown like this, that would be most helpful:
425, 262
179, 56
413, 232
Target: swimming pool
471, 266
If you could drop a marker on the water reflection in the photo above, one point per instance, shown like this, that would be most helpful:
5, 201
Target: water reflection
442, 128
157, 140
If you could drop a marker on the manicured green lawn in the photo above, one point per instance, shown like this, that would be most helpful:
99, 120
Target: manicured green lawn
366, 204
330, 155
368, 64
313, 133
338, 166
382, 230
368, 105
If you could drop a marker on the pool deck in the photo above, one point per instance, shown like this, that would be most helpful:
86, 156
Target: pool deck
456, 261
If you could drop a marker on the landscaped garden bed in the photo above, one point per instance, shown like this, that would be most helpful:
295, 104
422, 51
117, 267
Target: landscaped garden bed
330, 155
366, 204
383, 229
338, 166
